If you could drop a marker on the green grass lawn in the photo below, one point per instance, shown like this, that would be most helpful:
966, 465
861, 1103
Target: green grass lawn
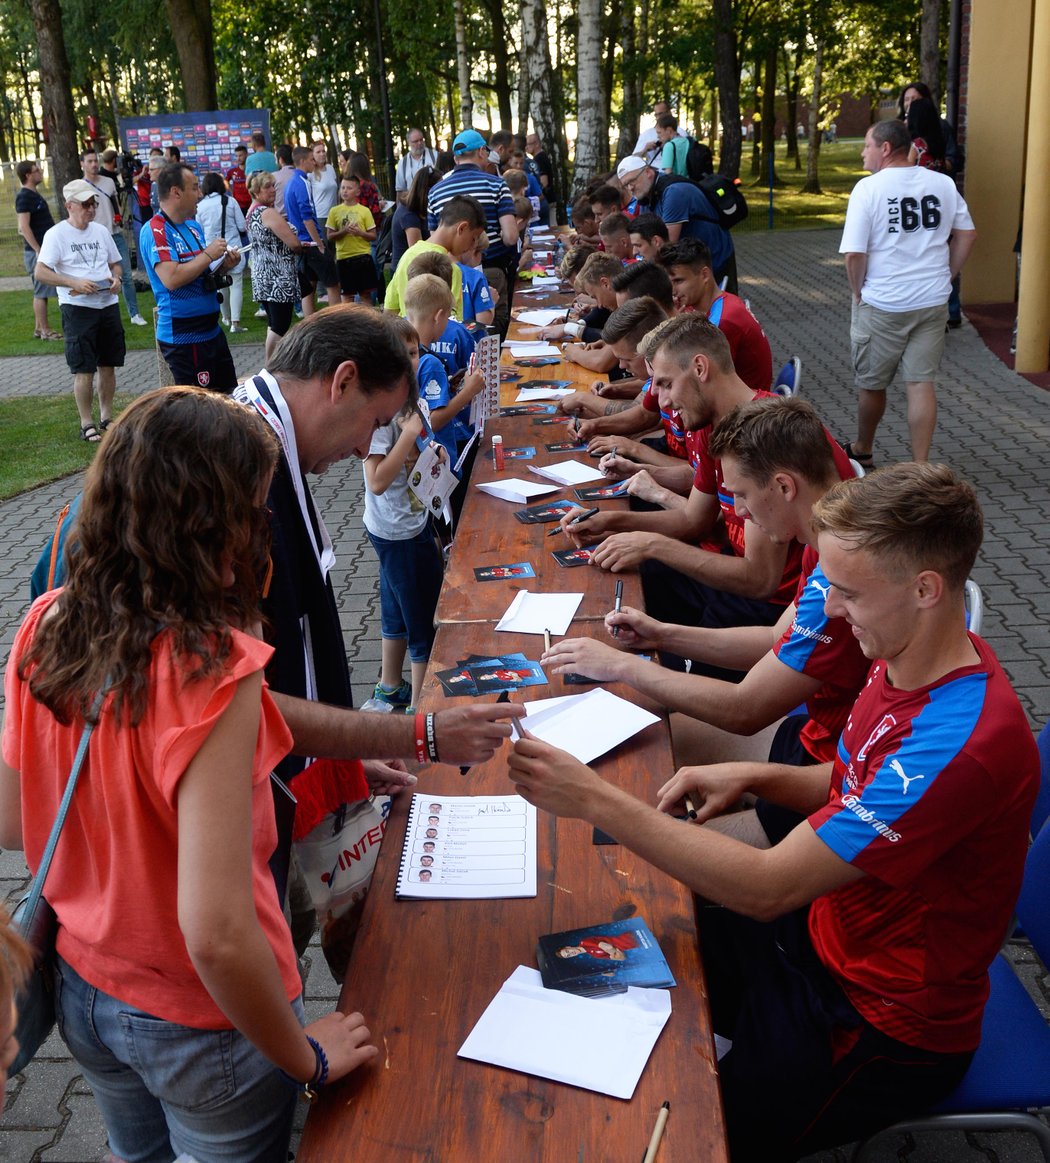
40, 440
16, 335
839, 171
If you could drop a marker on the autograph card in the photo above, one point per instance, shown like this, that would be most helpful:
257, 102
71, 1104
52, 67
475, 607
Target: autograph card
523, 452
542, 514
602, 492
514, 569
570, 558
566, 446
529, 410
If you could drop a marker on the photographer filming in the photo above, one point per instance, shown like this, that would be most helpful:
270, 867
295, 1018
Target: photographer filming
187, 273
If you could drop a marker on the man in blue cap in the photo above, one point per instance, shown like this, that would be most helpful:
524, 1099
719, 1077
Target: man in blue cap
469, 151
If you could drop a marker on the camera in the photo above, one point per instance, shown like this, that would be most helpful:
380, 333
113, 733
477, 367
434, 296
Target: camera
214, 281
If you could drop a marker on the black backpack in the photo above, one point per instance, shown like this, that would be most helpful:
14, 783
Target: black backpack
699, 162
385, 243
723, 195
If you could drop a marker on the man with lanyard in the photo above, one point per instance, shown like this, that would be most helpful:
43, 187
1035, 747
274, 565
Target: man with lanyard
847, 965
108, 215
181, 267
315, 261
332, 380
684, 208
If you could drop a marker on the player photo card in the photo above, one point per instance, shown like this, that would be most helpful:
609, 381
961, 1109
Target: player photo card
491, 680
511, 571
602, 492
544, 514
570, 558
457, 680
529, 410
566, 446
538, 361
522, 452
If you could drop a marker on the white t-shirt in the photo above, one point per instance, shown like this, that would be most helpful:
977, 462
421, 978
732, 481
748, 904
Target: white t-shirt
107, 200
81, 254
901, 218
394, 515
325, 190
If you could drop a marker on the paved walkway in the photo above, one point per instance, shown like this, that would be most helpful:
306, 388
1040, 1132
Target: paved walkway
993, 427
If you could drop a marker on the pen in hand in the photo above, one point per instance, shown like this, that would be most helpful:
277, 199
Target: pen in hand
618, 601
575, 521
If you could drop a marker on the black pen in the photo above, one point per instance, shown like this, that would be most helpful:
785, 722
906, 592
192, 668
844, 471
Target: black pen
504, 697
575, 521
616, 605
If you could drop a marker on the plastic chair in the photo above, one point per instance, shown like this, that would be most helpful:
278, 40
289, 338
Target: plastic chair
1041, 811
1009, 1077
974, 600
789, 378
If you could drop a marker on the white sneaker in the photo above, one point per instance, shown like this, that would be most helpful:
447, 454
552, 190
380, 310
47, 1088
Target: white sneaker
138, 321
261, 313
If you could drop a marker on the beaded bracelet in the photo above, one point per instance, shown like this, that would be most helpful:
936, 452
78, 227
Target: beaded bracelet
421, 741
320, 1075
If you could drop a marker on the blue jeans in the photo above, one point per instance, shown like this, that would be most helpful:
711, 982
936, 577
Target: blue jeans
165, 1089
127, 282
410, 573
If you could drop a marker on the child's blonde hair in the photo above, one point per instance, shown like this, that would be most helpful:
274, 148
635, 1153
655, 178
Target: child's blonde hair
403, 329
517, 182
432, 262
523, 208
426, 295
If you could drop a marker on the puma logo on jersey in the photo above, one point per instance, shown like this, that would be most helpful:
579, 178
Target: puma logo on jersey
905, 779
822, 590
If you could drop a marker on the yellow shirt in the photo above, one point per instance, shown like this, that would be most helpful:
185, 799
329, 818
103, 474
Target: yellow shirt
395, 289
351, 244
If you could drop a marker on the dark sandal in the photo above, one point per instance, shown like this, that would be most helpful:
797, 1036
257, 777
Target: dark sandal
864, 459
104, 424
90, 433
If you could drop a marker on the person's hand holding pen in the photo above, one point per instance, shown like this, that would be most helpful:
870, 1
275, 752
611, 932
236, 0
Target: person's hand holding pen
571, 519
597, 660
585, 531
636, 631
711, 790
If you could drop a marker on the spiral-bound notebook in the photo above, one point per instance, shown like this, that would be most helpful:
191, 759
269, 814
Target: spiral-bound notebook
468, 848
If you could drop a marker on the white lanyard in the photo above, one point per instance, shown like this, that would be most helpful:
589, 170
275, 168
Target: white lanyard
281, 422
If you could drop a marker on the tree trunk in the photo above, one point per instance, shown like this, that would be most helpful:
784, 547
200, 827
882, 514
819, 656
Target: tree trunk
930, 51
632, 85
791, 86
812, 183
727, 75
544, 90
592, 137
451, 111
769, 119
756, 134
56, 93
610, 25
466, 101
191, 28
500, 58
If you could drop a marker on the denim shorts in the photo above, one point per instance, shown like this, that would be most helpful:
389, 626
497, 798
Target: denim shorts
165, 1089
410, 574
40, 290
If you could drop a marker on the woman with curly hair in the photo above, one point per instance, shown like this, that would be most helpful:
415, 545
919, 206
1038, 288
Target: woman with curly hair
177, 987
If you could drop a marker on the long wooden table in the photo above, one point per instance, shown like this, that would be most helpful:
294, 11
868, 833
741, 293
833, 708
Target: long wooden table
424, 971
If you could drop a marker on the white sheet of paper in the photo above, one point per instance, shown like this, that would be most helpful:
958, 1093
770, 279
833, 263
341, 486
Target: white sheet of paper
541, 316
600, 1044
568, 472
531, 613
586, 725
546, 281
517, 490
530, 350
527, 394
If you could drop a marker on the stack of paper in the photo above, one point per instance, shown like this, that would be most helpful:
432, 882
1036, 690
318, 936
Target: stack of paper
520, 349
542, 316
567, 472
533, 613
543, 393
586, 725
515, 489
599, 1044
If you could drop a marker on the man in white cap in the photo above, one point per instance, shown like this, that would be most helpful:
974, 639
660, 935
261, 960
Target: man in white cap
684, 209
80, 258
470, 151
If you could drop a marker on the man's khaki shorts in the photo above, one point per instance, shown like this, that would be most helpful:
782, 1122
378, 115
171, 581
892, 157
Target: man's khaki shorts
883, 341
